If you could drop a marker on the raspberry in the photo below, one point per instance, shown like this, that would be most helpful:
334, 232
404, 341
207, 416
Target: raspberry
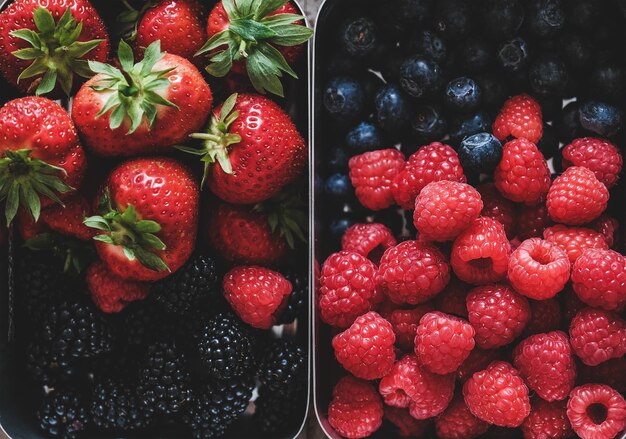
497, 207
413, 272
409, 384
111, 293
480, 254
576, 197
434, 162
477, 360
597, 336
452, 299
497, 395
443, 342
598, 155
405, 323
406, 425
498, 314
611, 373
546, 362
356, 410
457, 422
522, 175
519, 117
599, 279
532, 221
372, 174
538, 269
547, 420
608, 227
347, 288
574, 240
370, 240
571, 304
443, 209
596, 411
545, 316
365, 349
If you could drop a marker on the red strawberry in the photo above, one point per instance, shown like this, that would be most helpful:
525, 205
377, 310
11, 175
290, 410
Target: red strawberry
111, 293
520, 117
149, 213
68, 220
44, 45
41, 156
115, 118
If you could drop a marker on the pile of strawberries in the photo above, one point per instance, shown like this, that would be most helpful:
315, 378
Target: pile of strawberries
504, 310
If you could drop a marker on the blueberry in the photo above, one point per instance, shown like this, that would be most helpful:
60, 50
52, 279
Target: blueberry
391, 108
338, 226
339, 63
412, 12
338, 160
420, 76
502, 18
568, 125
494, 90
549, 143
473, 55
544, 18
601, 118
606, 82
358, 36
344, 99
513, 55
427, 123
584, 14
454, 19
427, 43
480, 153
338, 186
371, 83
462, 94
548, 75
364, 137
465, 126
577, 51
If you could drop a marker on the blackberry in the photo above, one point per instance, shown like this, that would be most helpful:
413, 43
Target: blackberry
140, 322
47, 368
184, 289
283, 366
278, 412
63, 413
115, 405
296, 304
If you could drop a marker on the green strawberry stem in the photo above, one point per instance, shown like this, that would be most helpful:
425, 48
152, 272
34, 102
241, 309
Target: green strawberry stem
286, 214
136, 237
24, 179
131, 17
55, 51
76, 254
251, 37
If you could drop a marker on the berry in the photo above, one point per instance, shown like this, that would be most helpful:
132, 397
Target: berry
283, 366
599, 279
596, 411
366, 348
546, 362
63, 413
601, 118
608, 227
597, 336
364, 137
545, 316
548, 75
477, 360
513, 55
598, 155
427, 43
453, 19
547, 420
568, 123
466, 125
520, 117
495, 90
344, 99
574, 240
347, 288
443, 209
502, 19
457, 422
443, 342
420, 76
110, 293
338, 186
358, 36
116, 406
370, 240
532, 221
544, 19
498, 315
498, 395
473, 55
607, 81
46, 367
538, 269
427, 123
480, 153
277, 413
337, 160
405, 323
497, 207
462, 95
405, 425
372, 174
610, 373
413, 272
297, 304
355, 410
452, 299
391, 108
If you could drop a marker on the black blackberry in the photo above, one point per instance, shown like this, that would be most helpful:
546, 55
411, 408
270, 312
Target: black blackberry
279, 412
47, 368
217, 405
296, 304
225, 346
184, 289
164, 378
63, 413
116, 406
140, 322
283, 366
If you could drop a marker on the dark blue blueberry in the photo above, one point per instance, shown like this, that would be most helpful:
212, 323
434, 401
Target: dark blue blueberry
494, 90
358, 36
474, 55
601, 118
502, 18
513, 55
544, 18
427, 123
548, 75
454, 19
606, 82
568, 125
391, 108
480, 153
396, 17
584, 14
576, 50
338, 226
465, 126
426, 43
338, 160
344, 99
338, 186
549, 143
364, 137
420, 77
462, 95
371, 83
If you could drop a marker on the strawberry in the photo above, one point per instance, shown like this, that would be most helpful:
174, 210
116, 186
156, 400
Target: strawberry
45, 45
148, 219
144, 108
257, 147
41, 156
262, 37
111, 293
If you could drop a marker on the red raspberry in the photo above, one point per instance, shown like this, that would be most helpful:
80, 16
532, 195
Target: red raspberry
477, 360
497, 207
457, 422
498, 314
405, 323
611, 373
443, 342
546, 362
538, 269
434, 162
597, 336
347, 288
596, 411
599, 279
258, 295
532, 221
480, 254
413, 272
522, 175
545, 316
520, 117
411, 385
576, 197
370, 240
598, 155
574, 240
111, 293
572, 305
406, 425
498, 395
547, 420
609, 227
443, 209
356, 410
372, 174
365, 349
452, 299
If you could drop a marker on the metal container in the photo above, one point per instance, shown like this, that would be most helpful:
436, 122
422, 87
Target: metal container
17, 413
